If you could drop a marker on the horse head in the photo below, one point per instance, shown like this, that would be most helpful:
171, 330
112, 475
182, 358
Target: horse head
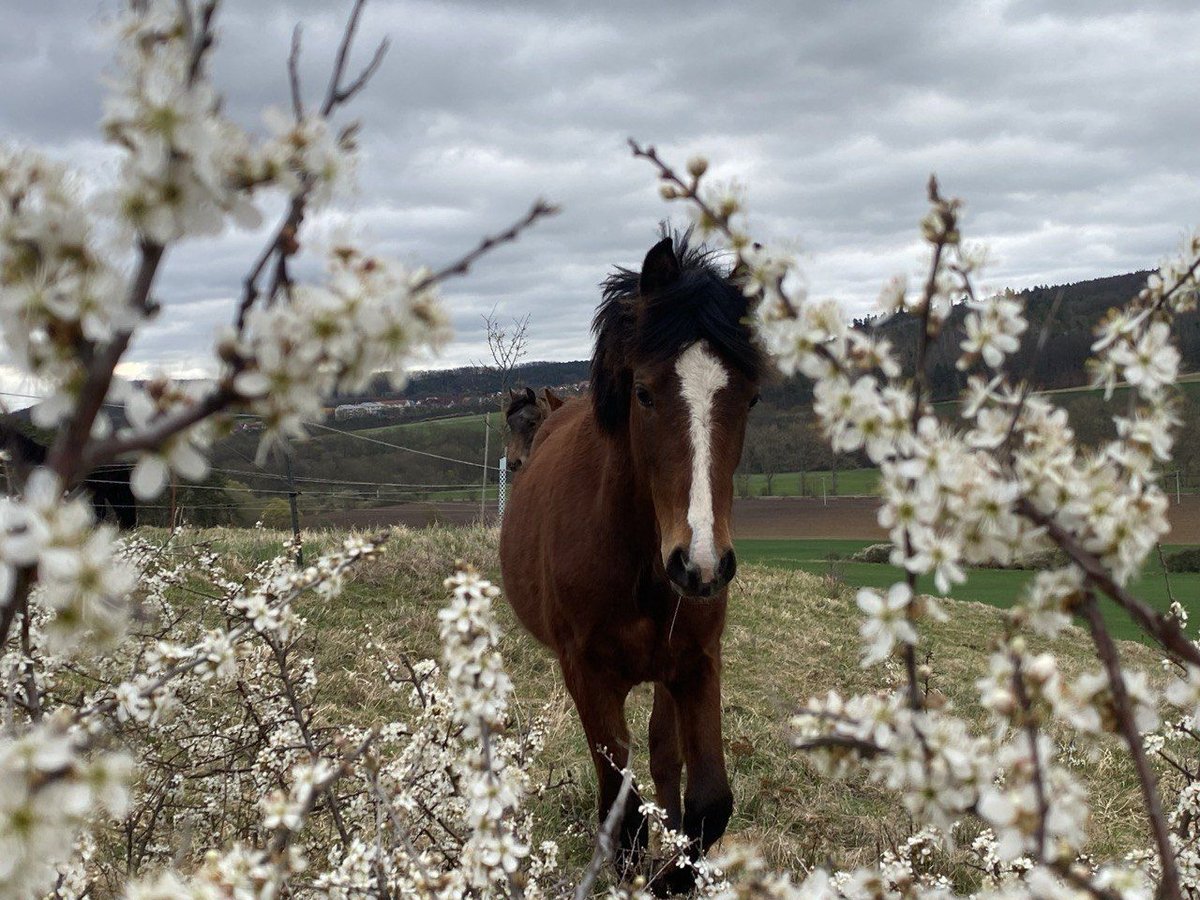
674, 374
524, 415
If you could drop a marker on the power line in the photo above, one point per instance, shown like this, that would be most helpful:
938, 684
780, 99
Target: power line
363, 437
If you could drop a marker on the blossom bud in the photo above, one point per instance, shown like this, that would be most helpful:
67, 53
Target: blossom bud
668, 191
697, 166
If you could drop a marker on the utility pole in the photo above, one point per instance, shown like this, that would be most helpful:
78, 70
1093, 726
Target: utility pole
292, 495
487, 435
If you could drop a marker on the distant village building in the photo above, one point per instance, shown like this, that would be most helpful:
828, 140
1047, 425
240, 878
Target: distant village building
360, 410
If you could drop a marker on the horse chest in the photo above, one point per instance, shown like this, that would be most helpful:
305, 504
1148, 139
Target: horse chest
659, 645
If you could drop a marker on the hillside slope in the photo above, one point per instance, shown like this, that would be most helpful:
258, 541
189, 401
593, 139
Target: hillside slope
791, 635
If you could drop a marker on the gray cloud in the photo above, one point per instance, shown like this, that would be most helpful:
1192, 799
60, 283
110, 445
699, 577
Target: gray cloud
1067, 133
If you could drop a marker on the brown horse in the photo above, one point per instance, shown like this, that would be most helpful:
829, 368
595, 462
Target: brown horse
524, 413
616, 548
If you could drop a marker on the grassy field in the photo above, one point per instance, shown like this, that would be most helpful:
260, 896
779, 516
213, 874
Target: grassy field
995, 587
466, 423
851, 482
791, 634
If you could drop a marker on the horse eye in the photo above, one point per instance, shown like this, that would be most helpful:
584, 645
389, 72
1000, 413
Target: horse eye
643, 396
754, 401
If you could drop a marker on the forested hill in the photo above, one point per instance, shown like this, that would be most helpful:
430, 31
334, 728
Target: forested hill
1062, 364
477, 381
1063, 361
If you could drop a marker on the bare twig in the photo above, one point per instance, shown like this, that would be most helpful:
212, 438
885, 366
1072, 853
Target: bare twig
335, 93
283, 837
293, 67
865, 749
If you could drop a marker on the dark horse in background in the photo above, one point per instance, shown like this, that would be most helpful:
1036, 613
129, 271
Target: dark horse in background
108, 486
524, 413
616, 549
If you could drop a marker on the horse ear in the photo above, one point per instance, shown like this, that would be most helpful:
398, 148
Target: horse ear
530, 395
660, 268
552, 399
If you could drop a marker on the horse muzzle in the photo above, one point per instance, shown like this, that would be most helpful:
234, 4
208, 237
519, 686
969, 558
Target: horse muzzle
689, 580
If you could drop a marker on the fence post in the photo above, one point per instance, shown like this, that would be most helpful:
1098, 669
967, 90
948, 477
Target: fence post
487, 436
502, 490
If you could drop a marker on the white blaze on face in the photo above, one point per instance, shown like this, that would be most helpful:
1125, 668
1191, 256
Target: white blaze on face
701, 375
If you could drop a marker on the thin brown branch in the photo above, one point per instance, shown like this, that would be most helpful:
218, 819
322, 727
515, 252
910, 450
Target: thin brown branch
293, 67
1029, 725
540, 210
344, 94
865, 749
1163, 628
1106, 649
156, 434
283, 837
335, 93
202, 40
67, 451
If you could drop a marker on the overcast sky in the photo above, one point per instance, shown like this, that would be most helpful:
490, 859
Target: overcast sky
1071, 136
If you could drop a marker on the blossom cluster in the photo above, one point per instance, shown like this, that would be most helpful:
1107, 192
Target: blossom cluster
371, 316
59, 290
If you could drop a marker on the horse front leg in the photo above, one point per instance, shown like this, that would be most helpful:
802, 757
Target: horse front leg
707, 800
666, 756
600, 702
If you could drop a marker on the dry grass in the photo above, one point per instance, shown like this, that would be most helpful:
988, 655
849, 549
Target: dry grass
791, 635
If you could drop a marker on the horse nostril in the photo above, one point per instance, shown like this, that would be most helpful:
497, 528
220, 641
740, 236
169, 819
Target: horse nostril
727, 567
679, 570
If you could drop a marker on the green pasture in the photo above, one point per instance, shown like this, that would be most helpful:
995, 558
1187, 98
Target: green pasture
995, 587
850, 482
469, 423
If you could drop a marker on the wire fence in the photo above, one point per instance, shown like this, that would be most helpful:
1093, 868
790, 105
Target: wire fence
280, 496
276, 493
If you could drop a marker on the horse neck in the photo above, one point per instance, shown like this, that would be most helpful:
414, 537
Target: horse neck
626, 504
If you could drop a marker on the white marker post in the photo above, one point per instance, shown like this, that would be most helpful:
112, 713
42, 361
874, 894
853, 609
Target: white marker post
502, 490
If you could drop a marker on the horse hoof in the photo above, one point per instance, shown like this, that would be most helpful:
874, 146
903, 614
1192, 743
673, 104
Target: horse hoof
675, 880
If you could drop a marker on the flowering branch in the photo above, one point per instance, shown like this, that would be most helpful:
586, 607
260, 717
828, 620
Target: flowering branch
1106, 649
1163, 628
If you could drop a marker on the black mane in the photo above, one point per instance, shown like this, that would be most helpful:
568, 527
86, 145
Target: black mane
702, 304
